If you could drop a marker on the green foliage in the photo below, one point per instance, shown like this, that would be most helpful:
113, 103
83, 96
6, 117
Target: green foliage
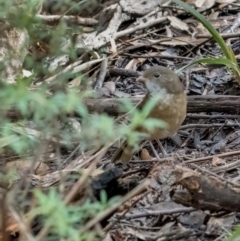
235, 235
64, 220
43, 111
229, 60
139, 119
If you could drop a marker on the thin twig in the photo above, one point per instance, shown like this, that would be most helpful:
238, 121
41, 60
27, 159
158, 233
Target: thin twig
201, 159
160, 212
22, 225
213, 174
227, 167
102, 74
197, 116
211, 125
156, 56
141, 26
72, 69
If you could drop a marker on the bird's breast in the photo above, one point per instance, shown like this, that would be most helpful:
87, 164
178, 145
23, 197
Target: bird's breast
171, 108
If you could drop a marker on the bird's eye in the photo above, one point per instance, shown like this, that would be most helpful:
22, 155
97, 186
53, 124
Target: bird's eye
157, 75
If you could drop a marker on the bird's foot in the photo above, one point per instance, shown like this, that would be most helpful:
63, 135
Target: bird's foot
162, 149
154, 151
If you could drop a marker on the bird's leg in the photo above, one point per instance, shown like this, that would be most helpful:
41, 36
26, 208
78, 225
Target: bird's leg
161, 147
154, 151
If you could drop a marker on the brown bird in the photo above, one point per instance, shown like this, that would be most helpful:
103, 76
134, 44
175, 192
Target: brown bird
171, 107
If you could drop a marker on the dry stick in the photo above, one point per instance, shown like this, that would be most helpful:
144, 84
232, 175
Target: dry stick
22, 225
64, 71
70, 156
227, 35
140, 188
226, 167
141, 26
212, 135
197, 116
189, 126
151, 160
156, 56
217, 103
102, 74
157, 213
74, 19
190, 51
73, 68
188, 138
231, 153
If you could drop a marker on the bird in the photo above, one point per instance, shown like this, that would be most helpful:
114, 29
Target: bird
171, 107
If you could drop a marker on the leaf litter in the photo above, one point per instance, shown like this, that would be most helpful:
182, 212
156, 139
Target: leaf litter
163, 207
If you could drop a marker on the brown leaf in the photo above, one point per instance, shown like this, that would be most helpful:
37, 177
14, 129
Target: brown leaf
111, 86
178, 24
216, 161
22, 167
104, 91
144, 155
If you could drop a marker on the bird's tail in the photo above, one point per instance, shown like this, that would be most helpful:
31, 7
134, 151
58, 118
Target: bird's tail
124, 154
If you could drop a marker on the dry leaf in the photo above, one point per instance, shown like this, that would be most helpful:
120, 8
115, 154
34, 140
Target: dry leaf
204, 4
104, 91
178, 24
111, 86
200, 29
225, 1
144, 155
216, 161
132, 64
75, 82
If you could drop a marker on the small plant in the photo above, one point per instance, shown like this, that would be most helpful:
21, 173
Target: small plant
229, 60
63, 221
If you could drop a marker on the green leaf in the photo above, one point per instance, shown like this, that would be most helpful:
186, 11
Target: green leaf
222, 61
227, 50
215, 34
235, 235
5, 141
152, 123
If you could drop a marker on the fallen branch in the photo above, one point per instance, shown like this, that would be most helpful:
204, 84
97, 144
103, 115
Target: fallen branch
215, 103
205, 192
54, 19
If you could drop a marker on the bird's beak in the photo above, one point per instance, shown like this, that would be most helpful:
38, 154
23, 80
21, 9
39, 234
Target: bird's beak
141, 79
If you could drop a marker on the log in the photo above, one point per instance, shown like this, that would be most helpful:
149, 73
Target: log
203, 103
196, 104
205, 192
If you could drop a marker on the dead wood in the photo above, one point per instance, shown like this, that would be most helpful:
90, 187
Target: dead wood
205, 192
216, 103
54, 19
